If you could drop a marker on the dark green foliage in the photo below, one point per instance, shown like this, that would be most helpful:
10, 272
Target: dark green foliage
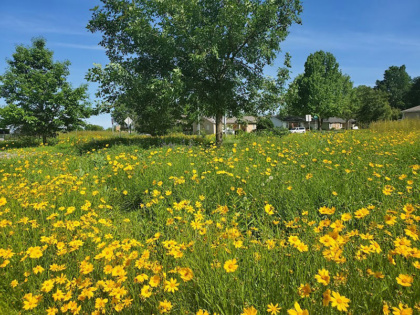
275, 131
90, 127
264, 123
397, 84
372, 104
39, 99
413, 95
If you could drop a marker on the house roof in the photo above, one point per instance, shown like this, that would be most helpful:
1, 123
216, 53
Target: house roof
337, 120
302, 119
233, 120
412, 109
290, 118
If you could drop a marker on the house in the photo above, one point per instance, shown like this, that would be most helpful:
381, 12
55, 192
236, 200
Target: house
335, 123
411, 113
208, 124
332, 123
289, 122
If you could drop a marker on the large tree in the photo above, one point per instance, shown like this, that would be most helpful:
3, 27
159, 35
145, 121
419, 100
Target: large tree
372, 104
39, 99
413, 95
209, 55
396, 83
322, 90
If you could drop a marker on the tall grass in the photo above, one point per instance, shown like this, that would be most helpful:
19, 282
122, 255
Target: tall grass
101, 225
404, 125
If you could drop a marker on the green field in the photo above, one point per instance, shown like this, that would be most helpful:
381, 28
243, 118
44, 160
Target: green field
323, 222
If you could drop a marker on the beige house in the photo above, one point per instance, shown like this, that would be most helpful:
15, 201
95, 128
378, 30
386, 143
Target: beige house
331, 123
411, 113
208, 124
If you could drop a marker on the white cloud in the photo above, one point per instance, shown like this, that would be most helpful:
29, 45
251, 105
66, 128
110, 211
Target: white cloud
78, 46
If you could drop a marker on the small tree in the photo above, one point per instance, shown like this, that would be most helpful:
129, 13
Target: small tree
397, 84
264, 123
322, 90
413, 95
372, 104
39, 99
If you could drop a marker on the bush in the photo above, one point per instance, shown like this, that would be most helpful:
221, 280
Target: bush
276, 131
264, 123
90, 127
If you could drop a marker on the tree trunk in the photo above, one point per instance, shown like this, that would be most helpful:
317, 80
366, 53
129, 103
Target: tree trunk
44, 139
219, 129
319, 123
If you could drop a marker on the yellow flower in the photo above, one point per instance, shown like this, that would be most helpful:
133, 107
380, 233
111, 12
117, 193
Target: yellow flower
86, 267
294, 240
230, 265
58, 295
302, 247
100, 303
326, 297
346, 217
30, 301
52, 311
273, 309
361, 213
323, 276
171, 285
146, 291
339, 301
3, 201
34, 252
165, 306
390, 219
186, 274
14, 283
154, 281
202, 312
404, 280
250, 311
297, 310
108, 269
269, 209
141, 278
402, 310
304, 290
47, 285
326, 210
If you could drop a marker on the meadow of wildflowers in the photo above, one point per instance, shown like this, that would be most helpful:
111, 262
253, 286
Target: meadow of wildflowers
320, 223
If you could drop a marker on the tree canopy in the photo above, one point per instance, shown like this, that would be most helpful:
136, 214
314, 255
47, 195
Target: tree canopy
39, 99
396, 83
322, 90
205, 55
413, 95
372, 104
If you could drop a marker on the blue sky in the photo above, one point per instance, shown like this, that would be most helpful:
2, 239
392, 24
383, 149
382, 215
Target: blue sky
366, 37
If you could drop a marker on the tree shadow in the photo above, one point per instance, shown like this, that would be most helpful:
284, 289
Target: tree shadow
143, 142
